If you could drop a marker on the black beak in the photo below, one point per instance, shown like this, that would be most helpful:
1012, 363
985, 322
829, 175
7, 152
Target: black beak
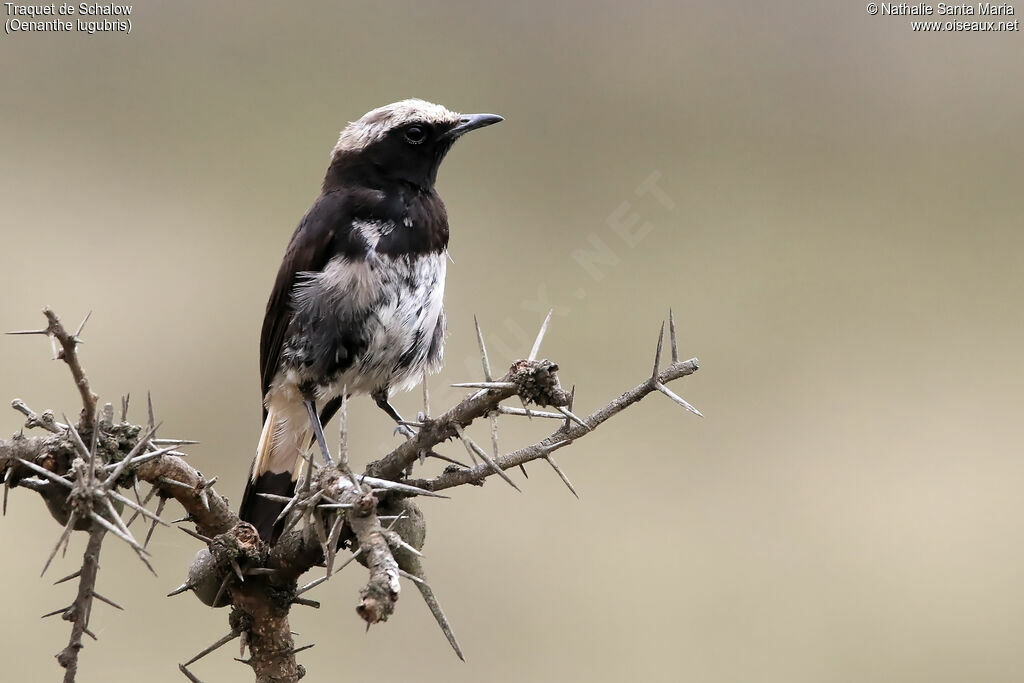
468, 122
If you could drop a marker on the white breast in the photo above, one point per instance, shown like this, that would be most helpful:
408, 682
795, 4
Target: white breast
410, 313
398, 304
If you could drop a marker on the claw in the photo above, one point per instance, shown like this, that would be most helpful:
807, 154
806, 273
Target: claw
404, 430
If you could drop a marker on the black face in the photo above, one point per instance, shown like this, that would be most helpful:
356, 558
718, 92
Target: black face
411, 152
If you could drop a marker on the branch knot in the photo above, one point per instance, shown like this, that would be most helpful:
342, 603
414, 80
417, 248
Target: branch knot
537, 382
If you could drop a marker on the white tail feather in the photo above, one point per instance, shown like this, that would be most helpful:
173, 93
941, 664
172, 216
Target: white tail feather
281, 445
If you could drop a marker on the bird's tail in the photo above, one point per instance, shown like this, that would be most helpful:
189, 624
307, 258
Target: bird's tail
276, 468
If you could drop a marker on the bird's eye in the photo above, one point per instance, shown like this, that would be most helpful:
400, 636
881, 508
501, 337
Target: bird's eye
415, 134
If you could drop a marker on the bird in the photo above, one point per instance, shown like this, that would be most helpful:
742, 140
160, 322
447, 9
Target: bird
357, 304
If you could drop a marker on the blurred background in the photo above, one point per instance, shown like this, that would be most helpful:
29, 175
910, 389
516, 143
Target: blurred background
835, 220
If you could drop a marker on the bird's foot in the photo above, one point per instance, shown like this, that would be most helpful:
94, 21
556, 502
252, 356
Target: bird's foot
318, 432
406, 431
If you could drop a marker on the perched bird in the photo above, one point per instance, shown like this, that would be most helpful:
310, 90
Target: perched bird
357, 304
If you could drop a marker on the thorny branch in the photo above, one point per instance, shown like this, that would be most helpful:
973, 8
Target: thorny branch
82, 607
68, 352
569, 431
79, 469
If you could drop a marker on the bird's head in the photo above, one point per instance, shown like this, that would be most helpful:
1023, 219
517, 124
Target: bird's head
404, 141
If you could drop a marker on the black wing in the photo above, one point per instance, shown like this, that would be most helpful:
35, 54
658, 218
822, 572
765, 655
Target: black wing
325, 231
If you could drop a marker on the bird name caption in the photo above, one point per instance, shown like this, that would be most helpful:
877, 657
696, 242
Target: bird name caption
944, 17
87, 17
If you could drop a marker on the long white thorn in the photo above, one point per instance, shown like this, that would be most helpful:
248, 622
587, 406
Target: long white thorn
287, 508
397, 486
406, 546
152, 527
62, 540
550, 448
672, 337
46, 332
657, 353
472, 447
181, 589
312, 584
138, 508
411, 577
333, 572
435, 609
678, 399
561, 475
483, 350
46, 473
395, 541
572, 416
93, 452
226, 639
332, 542
82, 327
107, 600
484, 385
77, 439
116, 517
540, 336
139, 550
275, 497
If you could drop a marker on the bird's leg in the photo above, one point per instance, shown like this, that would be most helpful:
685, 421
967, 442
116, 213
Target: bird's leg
318, 429
381, 399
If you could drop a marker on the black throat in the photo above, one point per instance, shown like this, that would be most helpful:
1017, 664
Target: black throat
416, 213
